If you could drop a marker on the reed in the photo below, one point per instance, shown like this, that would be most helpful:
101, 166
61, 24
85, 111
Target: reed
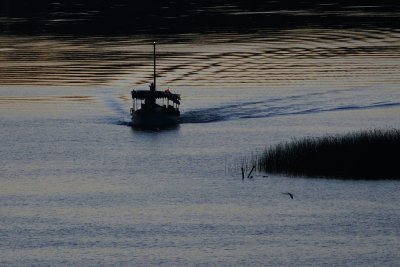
371, 154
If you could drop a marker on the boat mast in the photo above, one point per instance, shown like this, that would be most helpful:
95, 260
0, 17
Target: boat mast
154, 65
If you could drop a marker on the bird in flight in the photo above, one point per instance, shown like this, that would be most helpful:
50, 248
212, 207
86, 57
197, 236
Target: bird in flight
290, 194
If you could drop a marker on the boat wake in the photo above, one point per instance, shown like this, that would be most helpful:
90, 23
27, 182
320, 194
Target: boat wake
293, 105
116, 105
113, 103
124, 123
311, 103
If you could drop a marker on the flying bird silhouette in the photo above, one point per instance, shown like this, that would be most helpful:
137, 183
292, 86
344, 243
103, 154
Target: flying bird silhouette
290, 194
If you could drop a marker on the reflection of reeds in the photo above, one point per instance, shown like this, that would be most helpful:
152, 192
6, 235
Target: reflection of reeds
361, 155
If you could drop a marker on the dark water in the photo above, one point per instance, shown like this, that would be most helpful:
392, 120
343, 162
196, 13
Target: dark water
194, 16
79, 187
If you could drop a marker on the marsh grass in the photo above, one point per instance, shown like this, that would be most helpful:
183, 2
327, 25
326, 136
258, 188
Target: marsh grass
371, 154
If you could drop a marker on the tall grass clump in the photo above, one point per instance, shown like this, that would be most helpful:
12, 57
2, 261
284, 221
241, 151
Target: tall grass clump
371, 154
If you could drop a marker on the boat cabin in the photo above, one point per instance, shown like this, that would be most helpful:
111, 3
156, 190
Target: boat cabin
144, 100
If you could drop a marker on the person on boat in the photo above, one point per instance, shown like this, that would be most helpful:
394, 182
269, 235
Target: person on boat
152, 87
167, 91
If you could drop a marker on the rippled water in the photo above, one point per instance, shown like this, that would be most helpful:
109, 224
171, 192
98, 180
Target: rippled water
78, 186
262, 59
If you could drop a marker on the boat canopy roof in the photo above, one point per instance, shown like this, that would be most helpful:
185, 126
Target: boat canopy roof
145, 94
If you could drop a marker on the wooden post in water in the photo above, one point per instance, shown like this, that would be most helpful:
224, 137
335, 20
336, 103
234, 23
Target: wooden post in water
252, 169
242, 173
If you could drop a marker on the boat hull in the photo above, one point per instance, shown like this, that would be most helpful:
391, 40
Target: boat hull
154, 119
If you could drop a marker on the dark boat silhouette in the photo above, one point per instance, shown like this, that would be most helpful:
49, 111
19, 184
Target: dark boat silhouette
155, 108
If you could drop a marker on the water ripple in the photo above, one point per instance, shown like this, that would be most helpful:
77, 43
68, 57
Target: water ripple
267, 58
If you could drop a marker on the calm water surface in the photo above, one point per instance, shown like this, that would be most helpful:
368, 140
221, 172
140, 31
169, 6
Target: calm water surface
78, 186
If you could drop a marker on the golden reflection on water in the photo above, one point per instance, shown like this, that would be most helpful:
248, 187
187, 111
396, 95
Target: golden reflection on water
270, 58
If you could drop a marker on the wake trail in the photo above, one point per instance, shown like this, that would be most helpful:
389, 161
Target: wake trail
282, 106
310, 103
116, 105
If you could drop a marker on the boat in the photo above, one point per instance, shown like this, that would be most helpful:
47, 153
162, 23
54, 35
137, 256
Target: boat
153, 107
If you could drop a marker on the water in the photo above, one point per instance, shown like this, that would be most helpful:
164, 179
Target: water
78, 186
